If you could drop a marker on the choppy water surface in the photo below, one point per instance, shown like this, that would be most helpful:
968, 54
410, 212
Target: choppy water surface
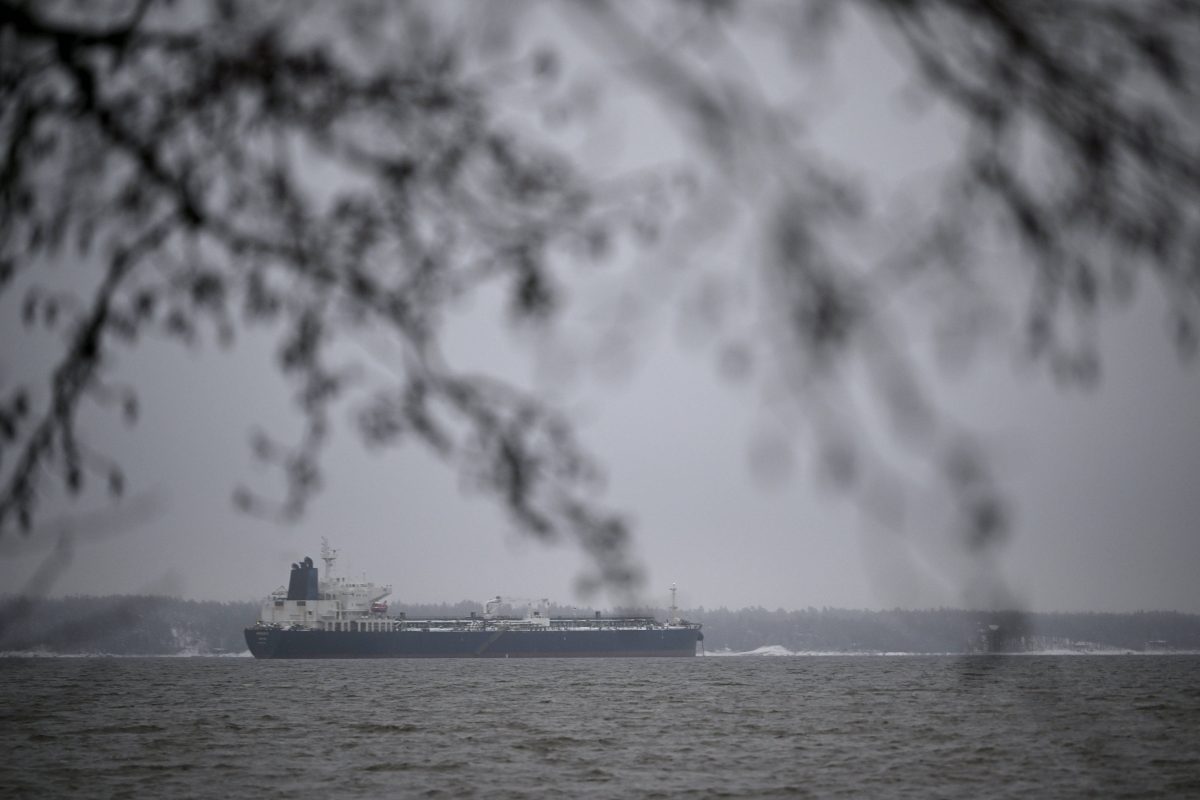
739, 727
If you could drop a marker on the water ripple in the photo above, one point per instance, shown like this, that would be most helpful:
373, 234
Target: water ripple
728, 727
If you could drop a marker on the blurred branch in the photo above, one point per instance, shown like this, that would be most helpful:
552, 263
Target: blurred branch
344, 171
197, 126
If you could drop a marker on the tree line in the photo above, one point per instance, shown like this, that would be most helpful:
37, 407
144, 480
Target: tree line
148, 625
943, 630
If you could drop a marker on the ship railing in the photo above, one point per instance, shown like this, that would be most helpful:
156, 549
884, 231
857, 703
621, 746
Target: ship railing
557, 624
521, 623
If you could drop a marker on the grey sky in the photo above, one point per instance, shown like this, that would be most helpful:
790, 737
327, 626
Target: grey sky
1105, 483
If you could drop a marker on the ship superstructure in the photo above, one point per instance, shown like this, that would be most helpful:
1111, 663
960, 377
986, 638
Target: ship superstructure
333, 604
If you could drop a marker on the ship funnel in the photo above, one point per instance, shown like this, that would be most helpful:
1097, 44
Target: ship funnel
303, 583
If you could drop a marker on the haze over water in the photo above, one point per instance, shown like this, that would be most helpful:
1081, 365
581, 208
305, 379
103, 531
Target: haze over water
1048, 726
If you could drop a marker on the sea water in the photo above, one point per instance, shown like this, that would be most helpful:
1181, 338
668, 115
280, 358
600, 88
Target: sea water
881, 726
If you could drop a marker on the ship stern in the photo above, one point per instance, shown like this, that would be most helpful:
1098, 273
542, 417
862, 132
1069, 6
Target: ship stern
263, 642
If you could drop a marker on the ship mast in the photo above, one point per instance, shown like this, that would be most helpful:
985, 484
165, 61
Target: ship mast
328, 555
674, 618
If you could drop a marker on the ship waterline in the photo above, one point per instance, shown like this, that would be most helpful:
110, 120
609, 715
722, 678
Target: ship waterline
278, 643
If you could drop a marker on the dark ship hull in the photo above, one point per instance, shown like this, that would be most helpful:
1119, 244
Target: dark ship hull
267, 642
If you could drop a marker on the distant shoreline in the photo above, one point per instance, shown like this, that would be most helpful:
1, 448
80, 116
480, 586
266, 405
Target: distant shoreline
126, 625
36, 655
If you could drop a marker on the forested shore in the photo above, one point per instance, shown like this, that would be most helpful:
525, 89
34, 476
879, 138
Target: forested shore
945, 630
148, 625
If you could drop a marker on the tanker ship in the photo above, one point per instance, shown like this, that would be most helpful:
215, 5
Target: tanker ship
341, 618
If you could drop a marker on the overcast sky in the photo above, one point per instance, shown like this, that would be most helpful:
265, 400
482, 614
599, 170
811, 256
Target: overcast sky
1105, 484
